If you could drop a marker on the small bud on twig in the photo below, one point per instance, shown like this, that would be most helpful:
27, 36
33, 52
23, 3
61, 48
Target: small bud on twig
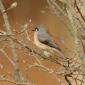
13, 5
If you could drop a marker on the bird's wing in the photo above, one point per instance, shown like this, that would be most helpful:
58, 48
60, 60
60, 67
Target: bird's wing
47, 39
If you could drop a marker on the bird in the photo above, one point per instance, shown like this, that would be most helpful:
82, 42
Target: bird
44, 40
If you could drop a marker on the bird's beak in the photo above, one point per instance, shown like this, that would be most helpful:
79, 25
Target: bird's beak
33, 29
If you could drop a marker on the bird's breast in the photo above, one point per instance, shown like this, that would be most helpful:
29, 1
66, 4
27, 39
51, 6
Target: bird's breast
38, 43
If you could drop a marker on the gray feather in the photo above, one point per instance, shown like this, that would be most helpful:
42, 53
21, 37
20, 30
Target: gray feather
45, 37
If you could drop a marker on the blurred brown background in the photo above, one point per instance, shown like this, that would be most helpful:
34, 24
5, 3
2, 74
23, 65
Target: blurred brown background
39, 13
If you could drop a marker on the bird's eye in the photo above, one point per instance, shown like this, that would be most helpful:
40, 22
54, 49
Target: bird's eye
36, 29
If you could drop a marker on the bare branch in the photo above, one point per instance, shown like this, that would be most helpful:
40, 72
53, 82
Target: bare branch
11, 42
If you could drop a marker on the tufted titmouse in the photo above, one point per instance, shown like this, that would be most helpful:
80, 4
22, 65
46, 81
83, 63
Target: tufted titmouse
43, 40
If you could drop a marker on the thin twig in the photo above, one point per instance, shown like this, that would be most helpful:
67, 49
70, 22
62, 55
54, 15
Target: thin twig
11, 42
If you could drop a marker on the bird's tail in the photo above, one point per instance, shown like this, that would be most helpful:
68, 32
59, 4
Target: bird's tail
59, 52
